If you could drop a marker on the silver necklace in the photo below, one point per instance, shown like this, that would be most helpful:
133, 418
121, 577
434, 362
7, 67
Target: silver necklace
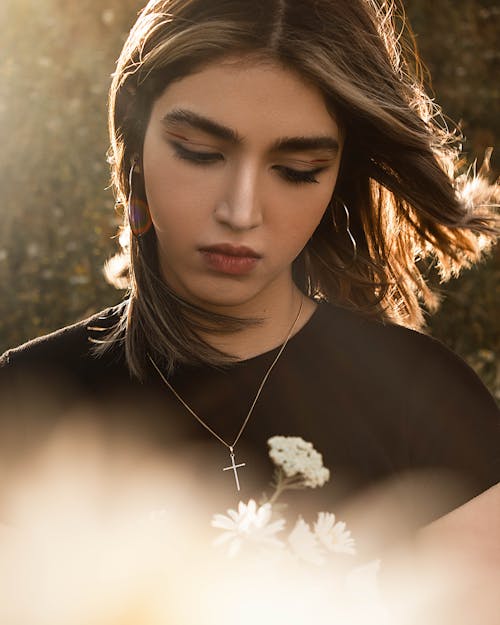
233, 467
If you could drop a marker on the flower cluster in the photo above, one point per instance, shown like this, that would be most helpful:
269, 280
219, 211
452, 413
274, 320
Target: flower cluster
298, 458
298, 465
315, 559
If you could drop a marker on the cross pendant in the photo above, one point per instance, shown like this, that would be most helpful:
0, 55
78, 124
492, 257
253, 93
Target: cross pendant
233, 467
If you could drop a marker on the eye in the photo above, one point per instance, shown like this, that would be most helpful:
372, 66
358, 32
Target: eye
294, 176
201, 158
299, 177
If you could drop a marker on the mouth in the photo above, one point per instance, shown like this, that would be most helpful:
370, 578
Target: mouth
240, 251
230, 259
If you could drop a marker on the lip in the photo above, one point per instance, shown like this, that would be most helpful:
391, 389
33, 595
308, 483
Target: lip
227, 249
230, 259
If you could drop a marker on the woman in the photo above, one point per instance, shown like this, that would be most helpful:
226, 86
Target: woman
285, 188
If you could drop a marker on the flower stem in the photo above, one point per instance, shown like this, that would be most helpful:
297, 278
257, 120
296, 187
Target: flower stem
282, 483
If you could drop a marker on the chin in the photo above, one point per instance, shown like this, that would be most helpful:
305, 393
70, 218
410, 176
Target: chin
219, 301
231, 296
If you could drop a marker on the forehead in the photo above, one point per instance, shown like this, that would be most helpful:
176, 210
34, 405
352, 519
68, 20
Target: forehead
253, 97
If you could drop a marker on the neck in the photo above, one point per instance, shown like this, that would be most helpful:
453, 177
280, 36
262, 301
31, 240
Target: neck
285, 316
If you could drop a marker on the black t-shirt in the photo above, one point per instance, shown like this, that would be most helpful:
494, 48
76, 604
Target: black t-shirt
377, 400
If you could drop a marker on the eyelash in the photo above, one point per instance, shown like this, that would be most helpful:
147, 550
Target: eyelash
206, 158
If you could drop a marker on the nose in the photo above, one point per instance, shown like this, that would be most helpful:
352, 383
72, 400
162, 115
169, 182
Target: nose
240, 206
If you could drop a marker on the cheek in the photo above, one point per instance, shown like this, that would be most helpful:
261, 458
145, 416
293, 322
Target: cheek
175, 195
302, 216
304, 224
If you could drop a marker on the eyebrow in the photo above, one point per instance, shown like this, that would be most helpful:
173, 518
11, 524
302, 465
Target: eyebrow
283, 144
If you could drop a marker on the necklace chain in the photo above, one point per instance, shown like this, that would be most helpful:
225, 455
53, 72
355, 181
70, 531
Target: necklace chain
234, 467
256, 398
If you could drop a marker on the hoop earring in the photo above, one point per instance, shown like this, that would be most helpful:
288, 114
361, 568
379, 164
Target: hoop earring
348, 230
139, 217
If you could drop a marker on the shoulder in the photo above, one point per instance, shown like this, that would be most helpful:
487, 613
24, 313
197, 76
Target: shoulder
402, 351
408, 371
66, 349
56, 378
444, 412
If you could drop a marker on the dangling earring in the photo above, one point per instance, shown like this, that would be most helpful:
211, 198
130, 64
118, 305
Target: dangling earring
139, 217
348, 230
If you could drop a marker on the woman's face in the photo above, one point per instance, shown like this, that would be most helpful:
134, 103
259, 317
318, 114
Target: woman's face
240, 161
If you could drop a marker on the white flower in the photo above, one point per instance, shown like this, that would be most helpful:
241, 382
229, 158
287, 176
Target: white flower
304, 544
334, 536
295, 456
250, 524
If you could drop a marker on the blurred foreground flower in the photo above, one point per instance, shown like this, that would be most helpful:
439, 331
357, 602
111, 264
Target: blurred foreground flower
298, 465
251, 531
98, 531
250, 524
332, 535
304, 543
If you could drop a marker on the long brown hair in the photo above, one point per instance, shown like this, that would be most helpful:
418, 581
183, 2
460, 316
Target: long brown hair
410, 205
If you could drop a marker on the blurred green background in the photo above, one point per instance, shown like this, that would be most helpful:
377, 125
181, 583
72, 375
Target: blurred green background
57, 217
